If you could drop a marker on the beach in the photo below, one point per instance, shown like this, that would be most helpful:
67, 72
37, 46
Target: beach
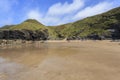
61, 60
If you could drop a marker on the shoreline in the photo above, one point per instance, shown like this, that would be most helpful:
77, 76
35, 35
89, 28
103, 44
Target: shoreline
19, 42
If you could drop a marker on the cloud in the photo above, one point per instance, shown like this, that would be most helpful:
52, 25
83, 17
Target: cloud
60, 9
34, 14
61, 13
56, 13
93, 10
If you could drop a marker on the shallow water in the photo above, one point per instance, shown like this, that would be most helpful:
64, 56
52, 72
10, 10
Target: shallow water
60, 61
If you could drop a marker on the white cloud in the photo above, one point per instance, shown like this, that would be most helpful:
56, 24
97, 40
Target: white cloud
60, 9
34, 14
45, 19
68, 12
93, 10
55, 14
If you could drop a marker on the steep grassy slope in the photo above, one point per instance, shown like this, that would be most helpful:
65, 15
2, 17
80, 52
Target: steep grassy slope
99, 25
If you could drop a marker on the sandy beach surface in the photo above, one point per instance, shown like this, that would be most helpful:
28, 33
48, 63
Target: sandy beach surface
74, 60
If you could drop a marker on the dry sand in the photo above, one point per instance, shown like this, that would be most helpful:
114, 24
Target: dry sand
83, 60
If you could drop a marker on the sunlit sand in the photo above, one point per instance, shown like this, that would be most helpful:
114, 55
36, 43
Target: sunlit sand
83, 60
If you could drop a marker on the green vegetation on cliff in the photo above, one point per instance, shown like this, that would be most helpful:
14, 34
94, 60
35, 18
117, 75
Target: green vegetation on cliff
29, 24
102, 26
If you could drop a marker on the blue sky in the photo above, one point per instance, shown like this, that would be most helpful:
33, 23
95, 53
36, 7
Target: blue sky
52, 12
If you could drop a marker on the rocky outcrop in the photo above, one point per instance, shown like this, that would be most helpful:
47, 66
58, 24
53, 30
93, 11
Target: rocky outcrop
24, 34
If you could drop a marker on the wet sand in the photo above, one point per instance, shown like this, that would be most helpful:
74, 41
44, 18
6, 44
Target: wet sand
83, 60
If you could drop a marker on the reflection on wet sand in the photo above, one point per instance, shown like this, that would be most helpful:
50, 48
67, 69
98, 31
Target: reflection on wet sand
8, 69
61, 61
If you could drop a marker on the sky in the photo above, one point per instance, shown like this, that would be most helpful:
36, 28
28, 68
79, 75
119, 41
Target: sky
52, 12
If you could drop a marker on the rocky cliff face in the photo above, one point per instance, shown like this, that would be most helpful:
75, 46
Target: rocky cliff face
24, 34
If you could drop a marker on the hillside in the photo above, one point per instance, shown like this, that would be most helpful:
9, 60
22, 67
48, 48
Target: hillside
7, 26
105, 25
29, 24
102, 26
28, 30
